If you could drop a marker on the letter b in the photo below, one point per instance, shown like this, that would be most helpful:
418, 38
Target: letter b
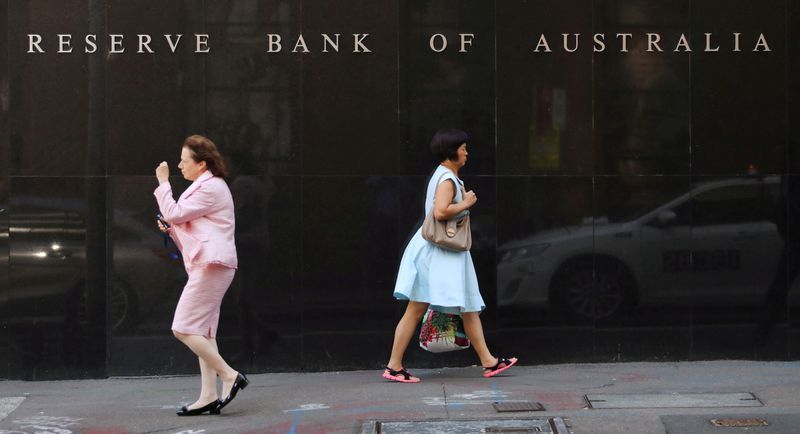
274, 43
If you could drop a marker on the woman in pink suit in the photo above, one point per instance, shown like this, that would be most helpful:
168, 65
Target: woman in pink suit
201, 223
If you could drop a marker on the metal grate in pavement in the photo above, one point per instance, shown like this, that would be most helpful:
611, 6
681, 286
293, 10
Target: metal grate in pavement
512, 406
732, 423
778, 423
551, 425
672, 400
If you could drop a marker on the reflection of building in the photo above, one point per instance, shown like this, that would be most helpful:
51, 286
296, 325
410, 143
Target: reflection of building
644, 99
544, 131
252, 98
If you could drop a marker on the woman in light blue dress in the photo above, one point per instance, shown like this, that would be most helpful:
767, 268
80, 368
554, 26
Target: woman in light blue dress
443, 279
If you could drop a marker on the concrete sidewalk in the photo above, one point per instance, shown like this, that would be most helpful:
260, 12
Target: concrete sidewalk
341, 401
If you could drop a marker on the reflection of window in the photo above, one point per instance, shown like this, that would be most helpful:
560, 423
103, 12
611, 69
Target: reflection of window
730, 205
40, 223
683, 214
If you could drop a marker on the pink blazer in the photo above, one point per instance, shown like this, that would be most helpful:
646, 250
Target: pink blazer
202, 221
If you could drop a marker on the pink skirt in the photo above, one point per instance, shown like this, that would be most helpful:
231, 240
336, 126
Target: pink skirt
197, 312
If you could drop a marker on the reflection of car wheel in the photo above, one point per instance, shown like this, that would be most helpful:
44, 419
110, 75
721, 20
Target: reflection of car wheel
121, 305
592, 288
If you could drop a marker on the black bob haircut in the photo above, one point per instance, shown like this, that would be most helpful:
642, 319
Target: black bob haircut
445, 143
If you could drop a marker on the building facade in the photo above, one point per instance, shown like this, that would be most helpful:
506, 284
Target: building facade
635, 164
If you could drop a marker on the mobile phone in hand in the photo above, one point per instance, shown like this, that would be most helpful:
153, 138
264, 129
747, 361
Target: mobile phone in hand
161, 219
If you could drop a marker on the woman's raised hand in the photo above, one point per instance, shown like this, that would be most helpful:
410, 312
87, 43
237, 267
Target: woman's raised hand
162, 172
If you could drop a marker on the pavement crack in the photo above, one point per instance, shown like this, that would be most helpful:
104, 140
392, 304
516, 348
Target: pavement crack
446, 408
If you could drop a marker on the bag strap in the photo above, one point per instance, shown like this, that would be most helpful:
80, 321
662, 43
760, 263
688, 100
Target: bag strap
438, 181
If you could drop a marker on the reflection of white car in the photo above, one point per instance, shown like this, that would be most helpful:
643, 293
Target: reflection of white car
716, 242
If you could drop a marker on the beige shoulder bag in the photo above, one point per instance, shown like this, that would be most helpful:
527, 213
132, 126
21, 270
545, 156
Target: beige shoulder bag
453, 234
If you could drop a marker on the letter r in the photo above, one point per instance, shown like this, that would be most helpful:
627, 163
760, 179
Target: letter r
33, 41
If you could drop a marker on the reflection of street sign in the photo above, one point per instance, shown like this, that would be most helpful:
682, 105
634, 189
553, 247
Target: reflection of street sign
544, 130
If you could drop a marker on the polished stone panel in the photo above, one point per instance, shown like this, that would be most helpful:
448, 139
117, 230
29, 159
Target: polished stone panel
349, 98
265, 303
446, 89
738, 101
5, 106
793, 87
638, 290
735, 256
48, 91
153, 101
5, 341
793, 163
544, 99
252, 99
341, 260
349, 265
780, 317
634, 203
48, 295
642, 96
543, 243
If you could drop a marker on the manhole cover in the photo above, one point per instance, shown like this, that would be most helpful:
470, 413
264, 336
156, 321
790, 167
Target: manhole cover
510, 406
773, 423
552, 425
739, 422
673, 400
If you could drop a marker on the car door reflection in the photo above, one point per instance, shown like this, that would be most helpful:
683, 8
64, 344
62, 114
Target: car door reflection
714, 245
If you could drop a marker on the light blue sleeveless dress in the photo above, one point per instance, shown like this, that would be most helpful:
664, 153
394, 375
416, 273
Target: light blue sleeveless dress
431, 274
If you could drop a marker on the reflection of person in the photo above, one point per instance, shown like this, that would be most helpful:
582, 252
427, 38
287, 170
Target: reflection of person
787, 211
381, 223
250, 198
251, 194
442, 279
201, 223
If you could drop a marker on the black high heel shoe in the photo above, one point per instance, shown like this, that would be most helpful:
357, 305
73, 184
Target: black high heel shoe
240, 383
212, 408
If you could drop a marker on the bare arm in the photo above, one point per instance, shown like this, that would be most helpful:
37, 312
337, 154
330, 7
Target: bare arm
443, 206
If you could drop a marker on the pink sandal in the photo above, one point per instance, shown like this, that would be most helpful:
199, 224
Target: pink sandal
402, 376
496, 369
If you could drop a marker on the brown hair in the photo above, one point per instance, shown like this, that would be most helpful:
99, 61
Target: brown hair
203, 149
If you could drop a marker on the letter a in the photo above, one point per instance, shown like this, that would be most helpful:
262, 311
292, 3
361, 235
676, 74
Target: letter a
682, 42
762, 41
301, 42
542, 43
